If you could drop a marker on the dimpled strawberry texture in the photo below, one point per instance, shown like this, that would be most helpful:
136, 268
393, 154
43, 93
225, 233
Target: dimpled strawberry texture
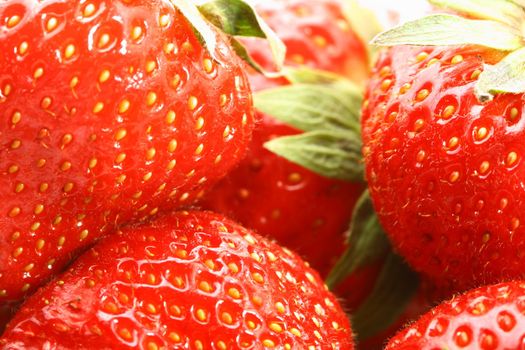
192, 280
302, 210
488, 318
445, 171
111, 111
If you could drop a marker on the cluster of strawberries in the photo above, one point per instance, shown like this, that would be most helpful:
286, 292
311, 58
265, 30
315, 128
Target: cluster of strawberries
151, 176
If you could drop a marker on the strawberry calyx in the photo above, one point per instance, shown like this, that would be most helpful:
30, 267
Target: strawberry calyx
327, 108
236, 18
495, 24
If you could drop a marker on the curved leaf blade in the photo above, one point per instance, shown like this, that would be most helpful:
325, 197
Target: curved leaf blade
367, 242
395, 287
333, 154
444, 29
311, 107
502, 11
238, 18
507, 76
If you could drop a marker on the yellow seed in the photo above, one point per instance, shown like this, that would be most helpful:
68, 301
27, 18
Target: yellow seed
83, 235
484, 167
320, 41
14, 212
19, 187
385, 85
103, 41
164, 20
268, 343
151, 98
200, 123
124, 106
257, 277
276, 327
69, 51
65, 166
199, 149
29, 267
40, 244
23, 47
513, 113
13, 21
421, 56
454, 176
422, 94
89, 10
136, 33
234, 293
35, 226
192, 103
51, 24
104, 76
280, 307
418, 125
151, 66
226, 318
39, 72
481, 133
201, 315
208, 65
150, 154
17, 252
475, 75
295, 332
448, 112
16, 144
405, 88
512, 157
120, 134
456, 59
39, 208
453, 142
432, 61
61, 241
205, 287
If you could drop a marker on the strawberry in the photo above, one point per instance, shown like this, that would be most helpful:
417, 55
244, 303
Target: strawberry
302, 210
490, 317
112, 112
190, 280
443, 146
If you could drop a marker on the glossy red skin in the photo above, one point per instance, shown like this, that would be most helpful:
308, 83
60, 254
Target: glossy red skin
153, 280
455, 218
70, 195
297, 207
488, 318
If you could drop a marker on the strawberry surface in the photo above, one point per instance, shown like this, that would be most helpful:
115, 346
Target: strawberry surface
488, 318
111, 111
299, 208
444, 169
190, 280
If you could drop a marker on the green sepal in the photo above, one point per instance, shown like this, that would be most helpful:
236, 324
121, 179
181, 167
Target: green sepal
238, 19
330, 153
395, 288
313, 107
507, 76
363, 20
444, 29
503, 11
306, 75
367, 242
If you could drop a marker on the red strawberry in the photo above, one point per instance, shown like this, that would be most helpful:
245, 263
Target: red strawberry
191, 280
445, 166
112, 111
488, 318
299, 208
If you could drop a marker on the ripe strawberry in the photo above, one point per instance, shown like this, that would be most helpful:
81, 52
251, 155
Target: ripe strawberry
445, 166
190, 280
112, 111
299, 208
490, 317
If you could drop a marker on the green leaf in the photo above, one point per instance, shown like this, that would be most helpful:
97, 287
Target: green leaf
367, 242
306, 75
507, 76
330, 153
311, 107
503, 11
443, 29
395, 287
238, 18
